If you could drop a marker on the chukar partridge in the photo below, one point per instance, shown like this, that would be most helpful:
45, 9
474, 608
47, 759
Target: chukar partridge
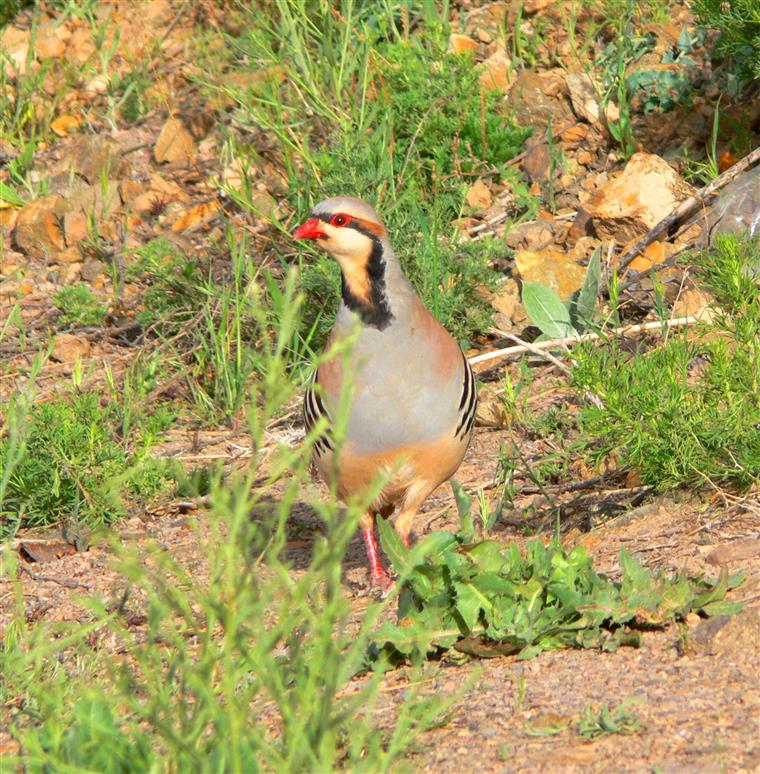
414, 397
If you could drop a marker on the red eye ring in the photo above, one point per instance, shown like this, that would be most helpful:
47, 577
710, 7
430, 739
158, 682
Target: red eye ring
339, 220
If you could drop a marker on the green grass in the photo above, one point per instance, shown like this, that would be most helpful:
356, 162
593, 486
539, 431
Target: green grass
389, 117
686, 412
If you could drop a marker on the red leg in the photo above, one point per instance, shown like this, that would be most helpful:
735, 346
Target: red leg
378, 576
407, 538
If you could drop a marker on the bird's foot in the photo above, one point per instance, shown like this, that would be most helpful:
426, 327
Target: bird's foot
407, 539
380, 581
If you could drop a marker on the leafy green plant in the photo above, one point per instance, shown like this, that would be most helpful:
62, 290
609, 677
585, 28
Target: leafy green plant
485, 599
608, 720
556, 319
79, 306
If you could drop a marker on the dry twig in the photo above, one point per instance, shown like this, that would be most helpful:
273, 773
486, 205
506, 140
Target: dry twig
570, 341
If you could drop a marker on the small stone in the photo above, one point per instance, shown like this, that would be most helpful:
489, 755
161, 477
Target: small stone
68, 347
491, 411
626, 207
498, 73
175, 143
551, 267
69, 255
93, 270
74, 227
458, 44
537, 162
584, 97
479, 196
737, 551
726, 634
37, 230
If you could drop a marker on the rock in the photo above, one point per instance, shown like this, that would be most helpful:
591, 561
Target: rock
534, 235
584, 97
537, 162
537, 98
51, 41
551, 267
14, 43
653, 255
44, 550
479, 197
37, 230
69, 255
737, 551
458, 44
726, 634
737, 208
93, 157
10, 260
81, 45
506, 298
498, 73
65, 124
74, 227
626, 207
491, 411
68, 347
93, 270
175, 143
693, 303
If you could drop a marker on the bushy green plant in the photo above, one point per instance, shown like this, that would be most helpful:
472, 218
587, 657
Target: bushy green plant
686, 412
74, 467
79, 306
738, 22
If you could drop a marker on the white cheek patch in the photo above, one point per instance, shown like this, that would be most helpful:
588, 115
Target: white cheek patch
347, 245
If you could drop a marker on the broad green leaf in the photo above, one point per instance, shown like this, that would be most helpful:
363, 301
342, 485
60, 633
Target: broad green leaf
546, 310
464, 507
9, 195
392, 544
585, 306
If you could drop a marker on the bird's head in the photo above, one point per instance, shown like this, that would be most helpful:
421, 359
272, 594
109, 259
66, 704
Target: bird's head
350, 231
346, 228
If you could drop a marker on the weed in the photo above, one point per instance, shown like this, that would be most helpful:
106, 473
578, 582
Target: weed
608, 720
686, 412
739, 26
556, 319
220, 673
73, 466
485, 599
79, 306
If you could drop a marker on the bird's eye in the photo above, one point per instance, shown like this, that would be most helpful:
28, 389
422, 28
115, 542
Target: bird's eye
339, 220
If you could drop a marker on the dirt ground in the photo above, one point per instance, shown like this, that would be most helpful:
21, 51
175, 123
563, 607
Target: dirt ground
696, 693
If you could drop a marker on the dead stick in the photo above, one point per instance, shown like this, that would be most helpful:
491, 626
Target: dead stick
568, 341
687, 207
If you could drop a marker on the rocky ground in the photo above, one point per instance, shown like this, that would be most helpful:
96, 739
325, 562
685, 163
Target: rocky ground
111, 188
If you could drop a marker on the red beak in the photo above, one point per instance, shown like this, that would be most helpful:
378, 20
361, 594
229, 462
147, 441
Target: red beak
312, 229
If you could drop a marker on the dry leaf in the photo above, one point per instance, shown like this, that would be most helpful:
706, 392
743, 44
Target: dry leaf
65, 124
195, 216
175, 143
